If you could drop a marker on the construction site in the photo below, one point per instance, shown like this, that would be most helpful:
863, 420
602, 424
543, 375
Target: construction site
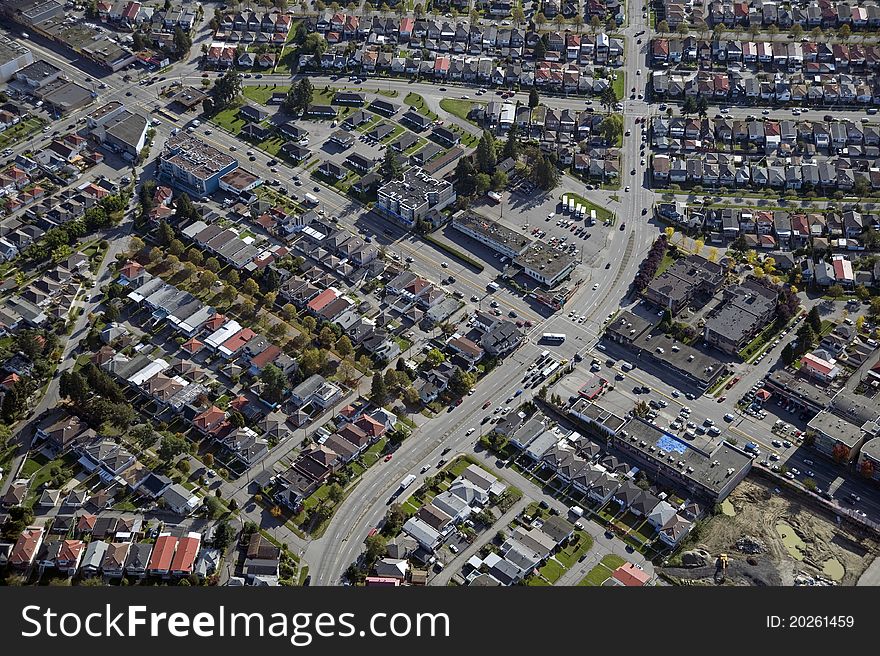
766, 536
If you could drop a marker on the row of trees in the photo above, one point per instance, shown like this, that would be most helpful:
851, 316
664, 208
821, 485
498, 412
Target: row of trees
649, 266
96, 396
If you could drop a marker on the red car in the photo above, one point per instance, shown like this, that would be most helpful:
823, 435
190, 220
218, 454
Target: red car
487, 404
722, 399
372, 532
528, 324
388, 457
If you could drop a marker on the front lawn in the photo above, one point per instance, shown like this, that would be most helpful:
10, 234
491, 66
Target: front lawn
229, 120
459, 108
602, 572
552, 570
580, 544
263, 94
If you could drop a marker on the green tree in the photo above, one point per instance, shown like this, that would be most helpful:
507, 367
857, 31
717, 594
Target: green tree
312, 361
344, 346
435, 357
274, 382
814, 320
461, 382
378, 390
487, 156
226, 89
182, 43
172, 446
250, 287
391, 168
326, 337
534, 99
611, 128
375, 548
499, 180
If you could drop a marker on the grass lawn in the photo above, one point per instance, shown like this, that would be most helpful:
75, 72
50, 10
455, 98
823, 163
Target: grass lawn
602, 572
569, 556
371, 455
459, 108
415, 101
665, 263
826, 328
263, 93
602, 214
552, 571
619, 85
20, 131
536, 581
229, 120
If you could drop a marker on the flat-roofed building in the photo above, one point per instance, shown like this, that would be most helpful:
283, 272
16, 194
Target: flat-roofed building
194, 166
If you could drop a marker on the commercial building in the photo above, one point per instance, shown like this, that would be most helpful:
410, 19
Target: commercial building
691, 364
13, 57
499, 238
193, 166
711, 474
124, 133
38, 74
411, 199
544, 264
838, 438
63, 97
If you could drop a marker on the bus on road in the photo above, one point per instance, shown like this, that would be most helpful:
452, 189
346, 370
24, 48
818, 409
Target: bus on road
553, 338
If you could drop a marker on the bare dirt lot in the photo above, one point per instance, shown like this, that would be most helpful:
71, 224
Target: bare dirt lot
770, 538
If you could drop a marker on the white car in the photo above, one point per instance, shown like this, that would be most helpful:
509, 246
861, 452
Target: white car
626, 188
470, 431
445, 265
596, 286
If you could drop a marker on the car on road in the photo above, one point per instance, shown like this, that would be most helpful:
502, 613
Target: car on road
388, 457
424, 469
316, 188
445, 265
626, 188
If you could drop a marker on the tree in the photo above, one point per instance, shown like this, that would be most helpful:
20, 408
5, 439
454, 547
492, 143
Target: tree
135, 246
335, 493
207, 279
375, 548
540, 19
461, 382
394, 518
309, 323
213, 507
540, 52
534, 99
391, 168
689, 106
172, 446
435, 357
465, 177
814, 320
487, 156
195, 256
511, 146
835, 291
595, 24
250, 287
274, 382
226, 89
663, 27
326, 337
182, 43
611, 128
608, 98
499, 180
844, 31
344, 347
223, 535
482, 183
545, 174
312, 361
73, 385
378, 389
